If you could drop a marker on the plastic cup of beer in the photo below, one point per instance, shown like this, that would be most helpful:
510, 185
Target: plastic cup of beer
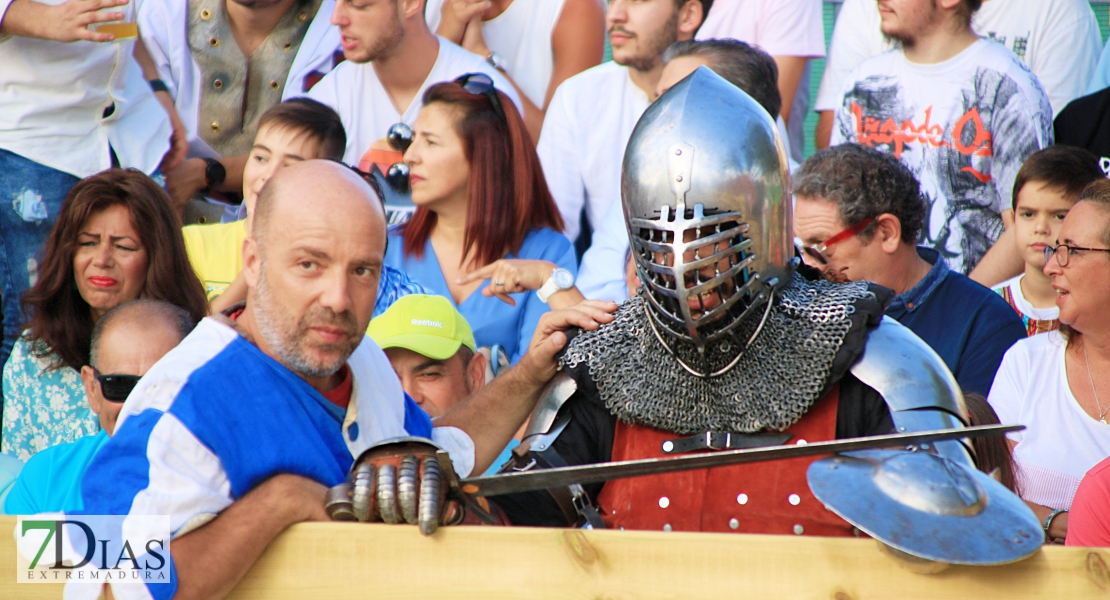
121, 29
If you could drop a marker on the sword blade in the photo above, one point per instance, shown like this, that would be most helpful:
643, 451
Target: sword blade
525, 481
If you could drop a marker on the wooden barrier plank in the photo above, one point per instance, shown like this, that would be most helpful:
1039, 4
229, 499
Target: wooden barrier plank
335, 561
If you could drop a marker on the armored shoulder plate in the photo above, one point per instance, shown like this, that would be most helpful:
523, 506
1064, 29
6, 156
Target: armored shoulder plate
541, 429
928, 500
918, 388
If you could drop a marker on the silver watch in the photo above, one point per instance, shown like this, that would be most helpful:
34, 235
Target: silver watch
561, 279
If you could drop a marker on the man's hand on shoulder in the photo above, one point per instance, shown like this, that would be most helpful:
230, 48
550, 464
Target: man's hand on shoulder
539, 364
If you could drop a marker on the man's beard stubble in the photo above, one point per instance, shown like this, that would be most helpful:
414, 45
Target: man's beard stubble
286, 336
652, 51
386, 45
906, 37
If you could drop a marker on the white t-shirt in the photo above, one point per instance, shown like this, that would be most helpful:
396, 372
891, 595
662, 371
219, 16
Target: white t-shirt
521, 36
781, 28
1061, 441
1058, 39
53, 96
1013, 285
963, 126
354, 91
168, 43
585, 131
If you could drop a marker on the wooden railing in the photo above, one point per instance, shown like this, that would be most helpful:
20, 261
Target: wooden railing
335, 561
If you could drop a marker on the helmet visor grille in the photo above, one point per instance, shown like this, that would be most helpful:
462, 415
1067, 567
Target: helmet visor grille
695, 271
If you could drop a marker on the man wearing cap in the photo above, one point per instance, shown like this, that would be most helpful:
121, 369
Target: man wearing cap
432, 349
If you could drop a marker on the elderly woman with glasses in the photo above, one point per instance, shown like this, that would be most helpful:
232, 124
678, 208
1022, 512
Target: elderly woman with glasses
116, 239
1057, 383
484, 217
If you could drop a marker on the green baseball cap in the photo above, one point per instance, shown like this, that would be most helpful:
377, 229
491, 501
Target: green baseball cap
425, 324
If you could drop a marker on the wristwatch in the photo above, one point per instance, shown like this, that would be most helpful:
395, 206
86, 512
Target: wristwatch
214, 174
561, 279
494, 60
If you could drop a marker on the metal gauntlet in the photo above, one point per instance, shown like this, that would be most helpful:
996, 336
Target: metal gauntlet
403, 480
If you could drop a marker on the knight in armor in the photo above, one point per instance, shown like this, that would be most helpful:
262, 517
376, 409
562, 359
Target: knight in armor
732, 343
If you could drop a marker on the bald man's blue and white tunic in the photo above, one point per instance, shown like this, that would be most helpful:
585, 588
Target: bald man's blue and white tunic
217, 416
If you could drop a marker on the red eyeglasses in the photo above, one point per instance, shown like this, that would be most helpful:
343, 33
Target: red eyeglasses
818, 250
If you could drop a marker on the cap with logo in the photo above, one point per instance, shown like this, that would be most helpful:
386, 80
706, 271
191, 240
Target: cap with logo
426, 324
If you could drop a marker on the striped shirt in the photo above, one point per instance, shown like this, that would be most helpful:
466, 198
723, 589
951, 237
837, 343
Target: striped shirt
217, 416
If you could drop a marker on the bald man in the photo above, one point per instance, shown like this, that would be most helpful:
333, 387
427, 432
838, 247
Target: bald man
240, 430
126, 342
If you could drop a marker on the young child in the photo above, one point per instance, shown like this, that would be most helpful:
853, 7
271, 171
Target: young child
292, 131
1045, 189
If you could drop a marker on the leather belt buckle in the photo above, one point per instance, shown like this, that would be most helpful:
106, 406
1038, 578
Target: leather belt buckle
723, 440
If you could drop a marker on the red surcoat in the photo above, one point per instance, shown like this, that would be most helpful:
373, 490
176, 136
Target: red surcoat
765, 497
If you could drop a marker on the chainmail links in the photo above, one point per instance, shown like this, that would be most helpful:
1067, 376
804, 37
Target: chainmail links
773, 384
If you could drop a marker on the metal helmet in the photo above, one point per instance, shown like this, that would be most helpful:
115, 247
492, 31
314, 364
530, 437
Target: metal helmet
706, 196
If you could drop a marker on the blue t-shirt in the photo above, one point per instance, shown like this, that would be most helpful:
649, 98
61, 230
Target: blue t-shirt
968, 325
51, 479
216, 417
492, 320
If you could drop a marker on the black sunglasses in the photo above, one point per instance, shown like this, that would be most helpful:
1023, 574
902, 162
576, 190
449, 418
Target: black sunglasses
116, 388
480, 83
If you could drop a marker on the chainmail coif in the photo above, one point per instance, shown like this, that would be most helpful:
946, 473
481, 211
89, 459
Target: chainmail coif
773, 384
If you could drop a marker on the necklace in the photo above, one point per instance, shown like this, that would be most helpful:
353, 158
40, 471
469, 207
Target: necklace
1101, 413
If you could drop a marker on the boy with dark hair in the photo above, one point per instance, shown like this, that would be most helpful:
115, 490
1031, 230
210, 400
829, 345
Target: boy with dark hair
1045, 189
293, 131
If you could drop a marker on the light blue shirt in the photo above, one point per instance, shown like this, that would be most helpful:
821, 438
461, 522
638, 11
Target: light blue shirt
1100, 79
492, 320
51, 479
393, 286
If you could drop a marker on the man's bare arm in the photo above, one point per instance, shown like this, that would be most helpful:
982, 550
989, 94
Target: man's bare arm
1003, 260
578, 42
493, 414
791, 69
179, 140
211, 560
187, 178
823, 133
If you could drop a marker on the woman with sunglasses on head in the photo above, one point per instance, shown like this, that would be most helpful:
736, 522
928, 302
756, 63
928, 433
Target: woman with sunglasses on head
484, 217
116, 239
1057, 383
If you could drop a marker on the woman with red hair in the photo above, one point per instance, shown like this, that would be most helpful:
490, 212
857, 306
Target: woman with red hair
116, 239
484, 215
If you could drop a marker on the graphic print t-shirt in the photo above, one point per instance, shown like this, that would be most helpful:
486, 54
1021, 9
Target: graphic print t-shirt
963, 126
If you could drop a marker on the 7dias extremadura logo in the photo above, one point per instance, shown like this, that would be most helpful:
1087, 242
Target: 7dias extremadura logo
57, 548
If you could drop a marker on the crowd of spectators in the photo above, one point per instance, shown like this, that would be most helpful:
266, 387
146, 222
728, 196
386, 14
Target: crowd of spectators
160, 176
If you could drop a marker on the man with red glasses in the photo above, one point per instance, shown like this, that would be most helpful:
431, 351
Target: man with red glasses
857, 217
126, 342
